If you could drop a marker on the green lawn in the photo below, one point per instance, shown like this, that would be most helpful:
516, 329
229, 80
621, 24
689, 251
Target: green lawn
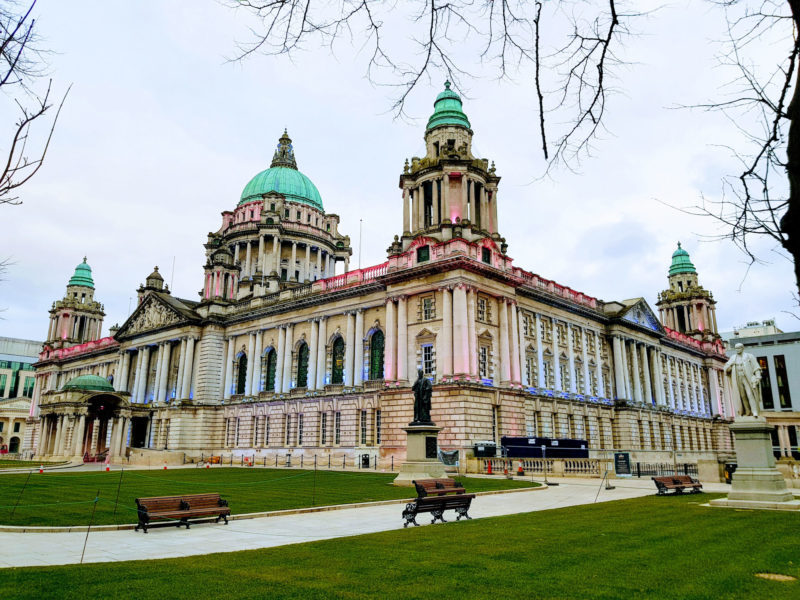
25, 464
652, 547
66, 498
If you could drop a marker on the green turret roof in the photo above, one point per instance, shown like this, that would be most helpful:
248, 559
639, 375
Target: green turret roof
91, 383
447, 110
82, 275
284, 178
681, 262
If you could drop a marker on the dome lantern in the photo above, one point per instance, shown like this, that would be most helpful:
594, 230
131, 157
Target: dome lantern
681, 263
82, 275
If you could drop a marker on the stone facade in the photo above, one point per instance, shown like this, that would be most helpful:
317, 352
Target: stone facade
282, 356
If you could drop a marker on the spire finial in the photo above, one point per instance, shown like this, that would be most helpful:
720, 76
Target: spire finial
84, 259
679, 245
447, 84
284, 154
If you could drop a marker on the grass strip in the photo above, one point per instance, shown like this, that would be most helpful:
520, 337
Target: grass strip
654, 547
50, 499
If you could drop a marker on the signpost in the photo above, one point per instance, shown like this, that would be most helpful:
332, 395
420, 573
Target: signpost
622, 464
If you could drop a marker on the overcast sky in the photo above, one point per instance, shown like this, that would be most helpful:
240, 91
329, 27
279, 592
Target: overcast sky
160, 134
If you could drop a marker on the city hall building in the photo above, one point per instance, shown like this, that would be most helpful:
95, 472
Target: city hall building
280, 355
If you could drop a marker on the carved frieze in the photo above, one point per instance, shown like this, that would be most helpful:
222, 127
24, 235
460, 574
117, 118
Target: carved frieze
153, 316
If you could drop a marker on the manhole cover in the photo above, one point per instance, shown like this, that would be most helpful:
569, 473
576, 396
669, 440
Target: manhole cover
776, 577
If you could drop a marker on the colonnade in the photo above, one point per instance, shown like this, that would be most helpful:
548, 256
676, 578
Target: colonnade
697, 316
81, 328
255, 259
474, 202
66, 435
163, 354
286, 356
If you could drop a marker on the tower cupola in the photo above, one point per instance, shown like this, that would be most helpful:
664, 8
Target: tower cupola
76, 318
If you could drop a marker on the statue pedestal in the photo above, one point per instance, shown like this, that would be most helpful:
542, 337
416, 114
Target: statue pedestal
756, 482
422, 461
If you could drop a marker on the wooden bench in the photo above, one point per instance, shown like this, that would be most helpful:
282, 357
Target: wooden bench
436, 496
677, 484
180, 509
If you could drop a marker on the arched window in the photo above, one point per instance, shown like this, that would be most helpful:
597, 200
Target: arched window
337, 361
302, 365
269, 363
376, 355
241, 375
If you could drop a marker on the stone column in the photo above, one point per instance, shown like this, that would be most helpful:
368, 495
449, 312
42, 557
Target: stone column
389, 373
349, 348
406, 211
587, 380
293, 264
446, 197
447, 332
125, 371
464, 198
402, 339
471, 333
287, 359
307, 265
523, 354
113, 446
80, 430
658, 376
514, 354
648, 389
358, 366
141, 394
460, 330
226, 392
182, 369
59, 436
159, 370
619, 375
541, 383
435, 201
573, 383
670, 386
251, 351
637, 385
321, 352
95, 433
123, 435
256, 383
312, 355
494, 210
164, 382
276, 252
280, 359
505, 358
558, 384
713, 384
246, 271
420, 196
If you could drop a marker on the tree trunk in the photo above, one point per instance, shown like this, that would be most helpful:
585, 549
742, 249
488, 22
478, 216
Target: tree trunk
790, 223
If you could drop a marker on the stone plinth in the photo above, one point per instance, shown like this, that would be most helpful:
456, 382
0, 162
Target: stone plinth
422, 461
756, 482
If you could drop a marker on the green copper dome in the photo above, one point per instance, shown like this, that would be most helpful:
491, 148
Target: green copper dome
447, 110
82, 275
681, 262
91, 383
284, 178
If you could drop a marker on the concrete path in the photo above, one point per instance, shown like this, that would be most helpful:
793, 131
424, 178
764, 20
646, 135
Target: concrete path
41, 549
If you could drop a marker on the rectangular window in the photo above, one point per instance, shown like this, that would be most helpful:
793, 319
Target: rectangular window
323, 428
363, 428
28, 388
3, 380
483, 361
1, 426
16, 427
286, 213
486, 255
377, 427
266, 431
337, 428
288, 436
766, 384
299, 430
481, 316
782, 381
427, 359
428, 310
494, 423
423, 253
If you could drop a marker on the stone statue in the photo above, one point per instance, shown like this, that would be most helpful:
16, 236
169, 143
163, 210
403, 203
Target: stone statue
423, 390
745, 374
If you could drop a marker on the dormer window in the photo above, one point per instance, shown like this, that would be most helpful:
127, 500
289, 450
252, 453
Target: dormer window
680, 285
486, 255
423, 253
286, 213
436, 148
327, 226
299, 215
272, 207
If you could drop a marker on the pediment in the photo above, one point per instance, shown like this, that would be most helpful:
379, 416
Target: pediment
21, 404
642, 315
152, 314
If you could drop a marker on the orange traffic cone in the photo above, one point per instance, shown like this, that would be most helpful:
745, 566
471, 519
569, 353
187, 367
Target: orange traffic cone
108, 468
505, 471
208, 466
41, 468
489, 468
165, 466
520, 471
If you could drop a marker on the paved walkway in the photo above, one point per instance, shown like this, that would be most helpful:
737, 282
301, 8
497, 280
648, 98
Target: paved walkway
41, 549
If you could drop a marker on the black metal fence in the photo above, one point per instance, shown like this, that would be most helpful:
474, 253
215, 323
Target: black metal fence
664, 469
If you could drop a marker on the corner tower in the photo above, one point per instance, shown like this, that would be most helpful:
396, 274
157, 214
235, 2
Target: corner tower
686, 306
76, 318
449, 192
